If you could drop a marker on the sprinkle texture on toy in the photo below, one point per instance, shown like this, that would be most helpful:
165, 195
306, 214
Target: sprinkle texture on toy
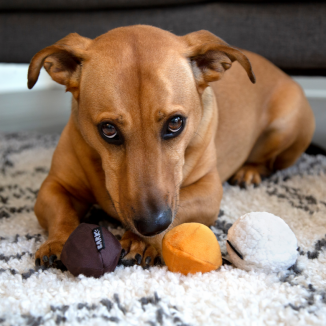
261, 241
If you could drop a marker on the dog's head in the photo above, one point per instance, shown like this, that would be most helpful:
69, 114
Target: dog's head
138, 92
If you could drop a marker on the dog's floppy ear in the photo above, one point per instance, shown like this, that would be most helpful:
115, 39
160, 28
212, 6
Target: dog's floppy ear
211, 57
62, 61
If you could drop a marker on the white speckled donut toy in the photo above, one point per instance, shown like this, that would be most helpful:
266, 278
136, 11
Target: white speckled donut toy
263, 242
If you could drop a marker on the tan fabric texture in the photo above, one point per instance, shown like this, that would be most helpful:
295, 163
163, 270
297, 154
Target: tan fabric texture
191, 248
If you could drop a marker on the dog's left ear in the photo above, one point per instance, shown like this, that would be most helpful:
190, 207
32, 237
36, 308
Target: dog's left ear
211, 57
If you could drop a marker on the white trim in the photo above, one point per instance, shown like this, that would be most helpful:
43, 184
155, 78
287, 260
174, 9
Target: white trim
315, 93
13, 78
314, 87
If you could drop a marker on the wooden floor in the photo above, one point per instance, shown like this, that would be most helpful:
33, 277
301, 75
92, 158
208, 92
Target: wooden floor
47, 111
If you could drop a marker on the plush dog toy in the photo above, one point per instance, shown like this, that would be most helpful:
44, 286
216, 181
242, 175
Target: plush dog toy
191, 248
263, 242
91, 250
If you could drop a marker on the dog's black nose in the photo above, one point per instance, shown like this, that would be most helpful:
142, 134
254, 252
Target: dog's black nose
155, 223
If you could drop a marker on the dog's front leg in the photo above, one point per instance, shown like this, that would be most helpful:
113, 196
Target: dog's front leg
200, 201
59, 213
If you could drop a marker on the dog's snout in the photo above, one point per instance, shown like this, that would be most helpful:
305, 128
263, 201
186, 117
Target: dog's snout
154, 224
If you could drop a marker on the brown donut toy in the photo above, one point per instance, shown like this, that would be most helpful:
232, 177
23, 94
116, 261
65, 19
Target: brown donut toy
91, 250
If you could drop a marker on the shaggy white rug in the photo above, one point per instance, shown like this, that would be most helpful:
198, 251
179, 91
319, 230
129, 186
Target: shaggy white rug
134, 296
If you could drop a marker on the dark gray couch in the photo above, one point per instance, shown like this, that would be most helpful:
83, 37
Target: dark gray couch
292, 35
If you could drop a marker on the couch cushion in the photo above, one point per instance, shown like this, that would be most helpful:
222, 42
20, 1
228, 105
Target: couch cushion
106, 4
87, 4
291, 36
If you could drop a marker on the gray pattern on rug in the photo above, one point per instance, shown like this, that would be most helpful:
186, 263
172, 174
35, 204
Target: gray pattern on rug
134, 296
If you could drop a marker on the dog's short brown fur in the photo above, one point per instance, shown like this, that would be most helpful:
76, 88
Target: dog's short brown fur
137, 78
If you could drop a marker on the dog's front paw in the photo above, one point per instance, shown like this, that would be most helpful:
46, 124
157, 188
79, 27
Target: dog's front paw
49, 253
136, 251
248, 174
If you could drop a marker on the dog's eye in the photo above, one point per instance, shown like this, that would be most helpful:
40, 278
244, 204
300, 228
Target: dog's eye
175, 124
109, 130
110, 133
173, 127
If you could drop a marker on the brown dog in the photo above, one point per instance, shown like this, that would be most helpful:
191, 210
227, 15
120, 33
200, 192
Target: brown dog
151, 142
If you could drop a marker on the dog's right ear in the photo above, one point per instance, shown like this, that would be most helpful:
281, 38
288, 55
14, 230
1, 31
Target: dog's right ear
62, 61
